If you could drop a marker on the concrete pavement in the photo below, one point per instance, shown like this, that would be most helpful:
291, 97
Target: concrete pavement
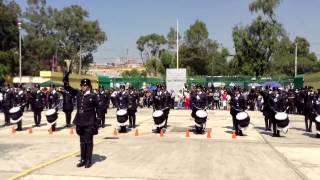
257, 155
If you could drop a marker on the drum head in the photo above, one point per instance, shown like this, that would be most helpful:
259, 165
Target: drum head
157, 113
50, 112
281, 116
242, 116
14, 110
121, 112
318, 118
201, 114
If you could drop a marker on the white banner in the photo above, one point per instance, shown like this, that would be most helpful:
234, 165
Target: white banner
175, 80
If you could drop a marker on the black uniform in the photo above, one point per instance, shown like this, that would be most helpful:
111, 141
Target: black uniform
308, 110
85, 120
277, 104
316, 112
200, 102
237, 104
20, 100
38, 99
133, 101
102, 107
158, 100
266, 110
53, 99
67, 105
8, 101
167, 103
122, 100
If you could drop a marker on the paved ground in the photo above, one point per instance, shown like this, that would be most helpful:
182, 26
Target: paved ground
149, 156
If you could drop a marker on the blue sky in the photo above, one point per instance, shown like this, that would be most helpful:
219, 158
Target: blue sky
125, 20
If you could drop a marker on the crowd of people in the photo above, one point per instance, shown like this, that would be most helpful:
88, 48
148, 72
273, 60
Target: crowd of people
91, 105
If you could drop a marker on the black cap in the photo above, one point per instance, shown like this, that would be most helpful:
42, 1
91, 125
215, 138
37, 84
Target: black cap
130, 87
85, 82
122, 87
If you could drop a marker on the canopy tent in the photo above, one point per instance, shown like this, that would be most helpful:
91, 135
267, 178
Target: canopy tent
272, 84
152, 88
50, 83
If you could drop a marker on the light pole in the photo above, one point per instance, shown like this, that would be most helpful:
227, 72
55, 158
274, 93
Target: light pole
19, 26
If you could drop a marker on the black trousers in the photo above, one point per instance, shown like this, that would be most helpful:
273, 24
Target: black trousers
132, 118
308, 122
102, 117
274, 127
267, 122
6, 116
19, 124
236, 125
86, 142
37, 116
68, 117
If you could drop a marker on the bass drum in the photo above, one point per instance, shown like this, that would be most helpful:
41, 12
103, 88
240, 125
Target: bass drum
201, 116
282, 120
15, 114
158, 117
122, 115
51, 115
243, 119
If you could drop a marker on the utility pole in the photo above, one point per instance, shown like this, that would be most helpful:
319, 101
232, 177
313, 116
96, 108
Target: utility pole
177, 44
80, 60
296, 61
19, 26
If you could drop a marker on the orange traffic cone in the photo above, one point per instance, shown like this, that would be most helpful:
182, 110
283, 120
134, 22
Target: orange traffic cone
136, 133
115, 133
234, 136
187, 133
71, 131
50, 131
30, 130
209, 134
161, 133
13, 130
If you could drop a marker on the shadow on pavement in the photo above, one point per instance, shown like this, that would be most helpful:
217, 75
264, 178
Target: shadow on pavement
98, 158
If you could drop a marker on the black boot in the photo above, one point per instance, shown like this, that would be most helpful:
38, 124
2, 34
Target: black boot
310, 126
83, 155
89, 148
306, 123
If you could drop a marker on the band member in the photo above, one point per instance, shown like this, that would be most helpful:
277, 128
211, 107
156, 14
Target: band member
67, 105
166, 102
133, 101
308, 107
252, 97
7, 104
237, 104
316, 109
20, 100
85, 120
38, 99
102, 106
266, 108
157, 99
277, 104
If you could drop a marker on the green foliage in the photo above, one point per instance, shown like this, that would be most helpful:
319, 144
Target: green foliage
150, 46
52, 32
133, 73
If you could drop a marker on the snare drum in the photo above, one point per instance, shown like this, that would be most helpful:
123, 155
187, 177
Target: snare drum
15, 114
317, 119
158, 117
243, 119
122, 115
51, 115
282, 119
201, 116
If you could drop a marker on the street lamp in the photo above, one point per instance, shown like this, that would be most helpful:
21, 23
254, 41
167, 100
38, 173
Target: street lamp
19, 26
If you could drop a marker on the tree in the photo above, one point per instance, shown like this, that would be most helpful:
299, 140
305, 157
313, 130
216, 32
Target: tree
150, 46
9, 39
172, 38
133, 73
58, 34
267, 7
